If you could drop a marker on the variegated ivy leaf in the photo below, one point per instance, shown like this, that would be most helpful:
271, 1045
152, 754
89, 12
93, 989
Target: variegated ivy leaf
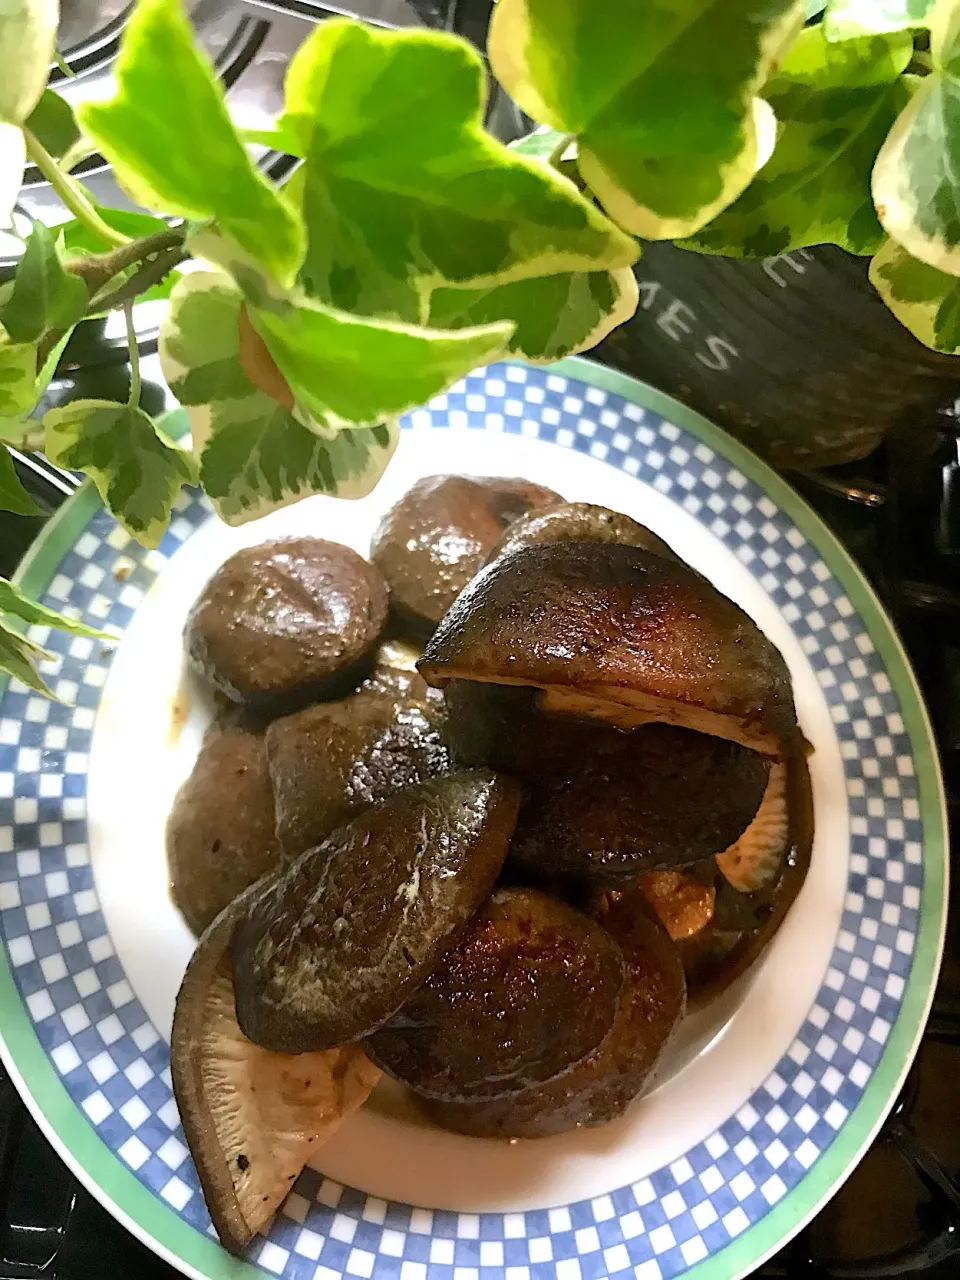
53, 124
19, 655
170, 138
13, 496
847, 19
18, 377
556, 316
926, 301
404, 191
349, 371
28, 32
136, 467
661, 94
45, 295
255, 454
835, 104
916, 179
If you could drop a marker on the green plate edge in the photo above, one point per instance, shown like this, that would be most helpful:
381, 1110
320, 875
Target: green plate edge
143, 1213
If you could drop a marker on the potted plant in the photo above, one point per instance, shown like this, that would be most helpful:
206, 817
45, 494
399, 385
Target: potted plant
410, 246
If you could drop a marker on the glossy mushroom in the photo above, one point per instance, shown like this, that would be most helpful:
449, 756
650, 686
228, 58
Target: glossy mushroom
431, 543
328, 951
620, 634
578, 522
602, 1085
220, 833
287, 622
531, 988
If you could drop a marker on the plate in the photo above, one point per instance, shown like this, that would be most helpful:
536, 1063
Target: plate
770, 1096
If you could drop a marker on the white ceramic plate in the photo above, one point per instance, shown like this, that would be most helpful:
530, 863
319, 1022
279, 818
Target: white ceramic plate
770, 1095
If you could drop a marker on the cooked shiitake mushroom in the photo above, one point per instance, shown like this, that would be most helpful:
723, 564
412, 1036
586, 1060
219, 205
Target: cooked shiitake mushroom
332, 760
531, 988
754, 860
328, 951
577, 522
220, 833
251, 1118
621, 634
501, 727
287, 622
603, 1084
622, 803
431, 543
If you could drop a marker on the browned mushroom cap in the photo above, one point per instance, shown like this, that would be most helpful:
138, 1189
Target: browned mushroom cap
622, 804
431, 543
621, 634
251, 1118
601, 1087
220, 833
287, 622
332, 760
531, 988
331, 949
577, 522
501, 726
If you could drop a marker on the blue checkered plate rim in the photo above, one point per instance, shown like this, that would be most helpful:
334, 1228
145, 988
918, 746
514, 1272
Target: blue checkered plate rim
94, 1069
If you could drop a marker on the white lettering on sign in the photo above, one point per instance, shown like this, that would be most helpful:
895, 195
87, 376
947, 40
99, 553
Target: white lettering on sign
788, 260
680, 322
721, 353
673, 322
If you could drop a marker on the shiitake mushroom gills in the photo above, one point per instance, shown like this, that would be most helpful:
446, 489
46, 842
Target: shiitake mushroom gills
252, 1118
531, 989
220, 833
622, 804
600, 1087
577, 522
327, 952
332, 760
431, 543
621, 634
287, 622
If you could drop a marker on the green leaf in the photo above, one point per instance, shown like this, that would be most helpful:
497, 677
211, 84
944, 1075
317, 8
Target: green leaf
916, 179
53, 123
926, 301
135, 466
18, 377
847, 19
170, 138
345, 369
404, 191
255, 454
13, 496
662, 95
835, 104
16, 602
28, 32
78, 238
45, 295
13, 156
18, 654
556, 316
19, 657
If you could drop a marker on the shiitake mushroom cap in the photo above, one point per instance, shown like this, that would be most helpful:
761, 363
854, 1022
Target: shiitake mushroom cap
530, 989
577, 522
220, 832
287, 622
602, 1085
620, 804
331, 760
618, 633
430, 544
326, 952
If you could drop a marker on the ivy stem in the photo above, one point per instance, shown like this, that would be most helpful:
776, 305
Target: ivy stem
556, 155
71, 192
134, 352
